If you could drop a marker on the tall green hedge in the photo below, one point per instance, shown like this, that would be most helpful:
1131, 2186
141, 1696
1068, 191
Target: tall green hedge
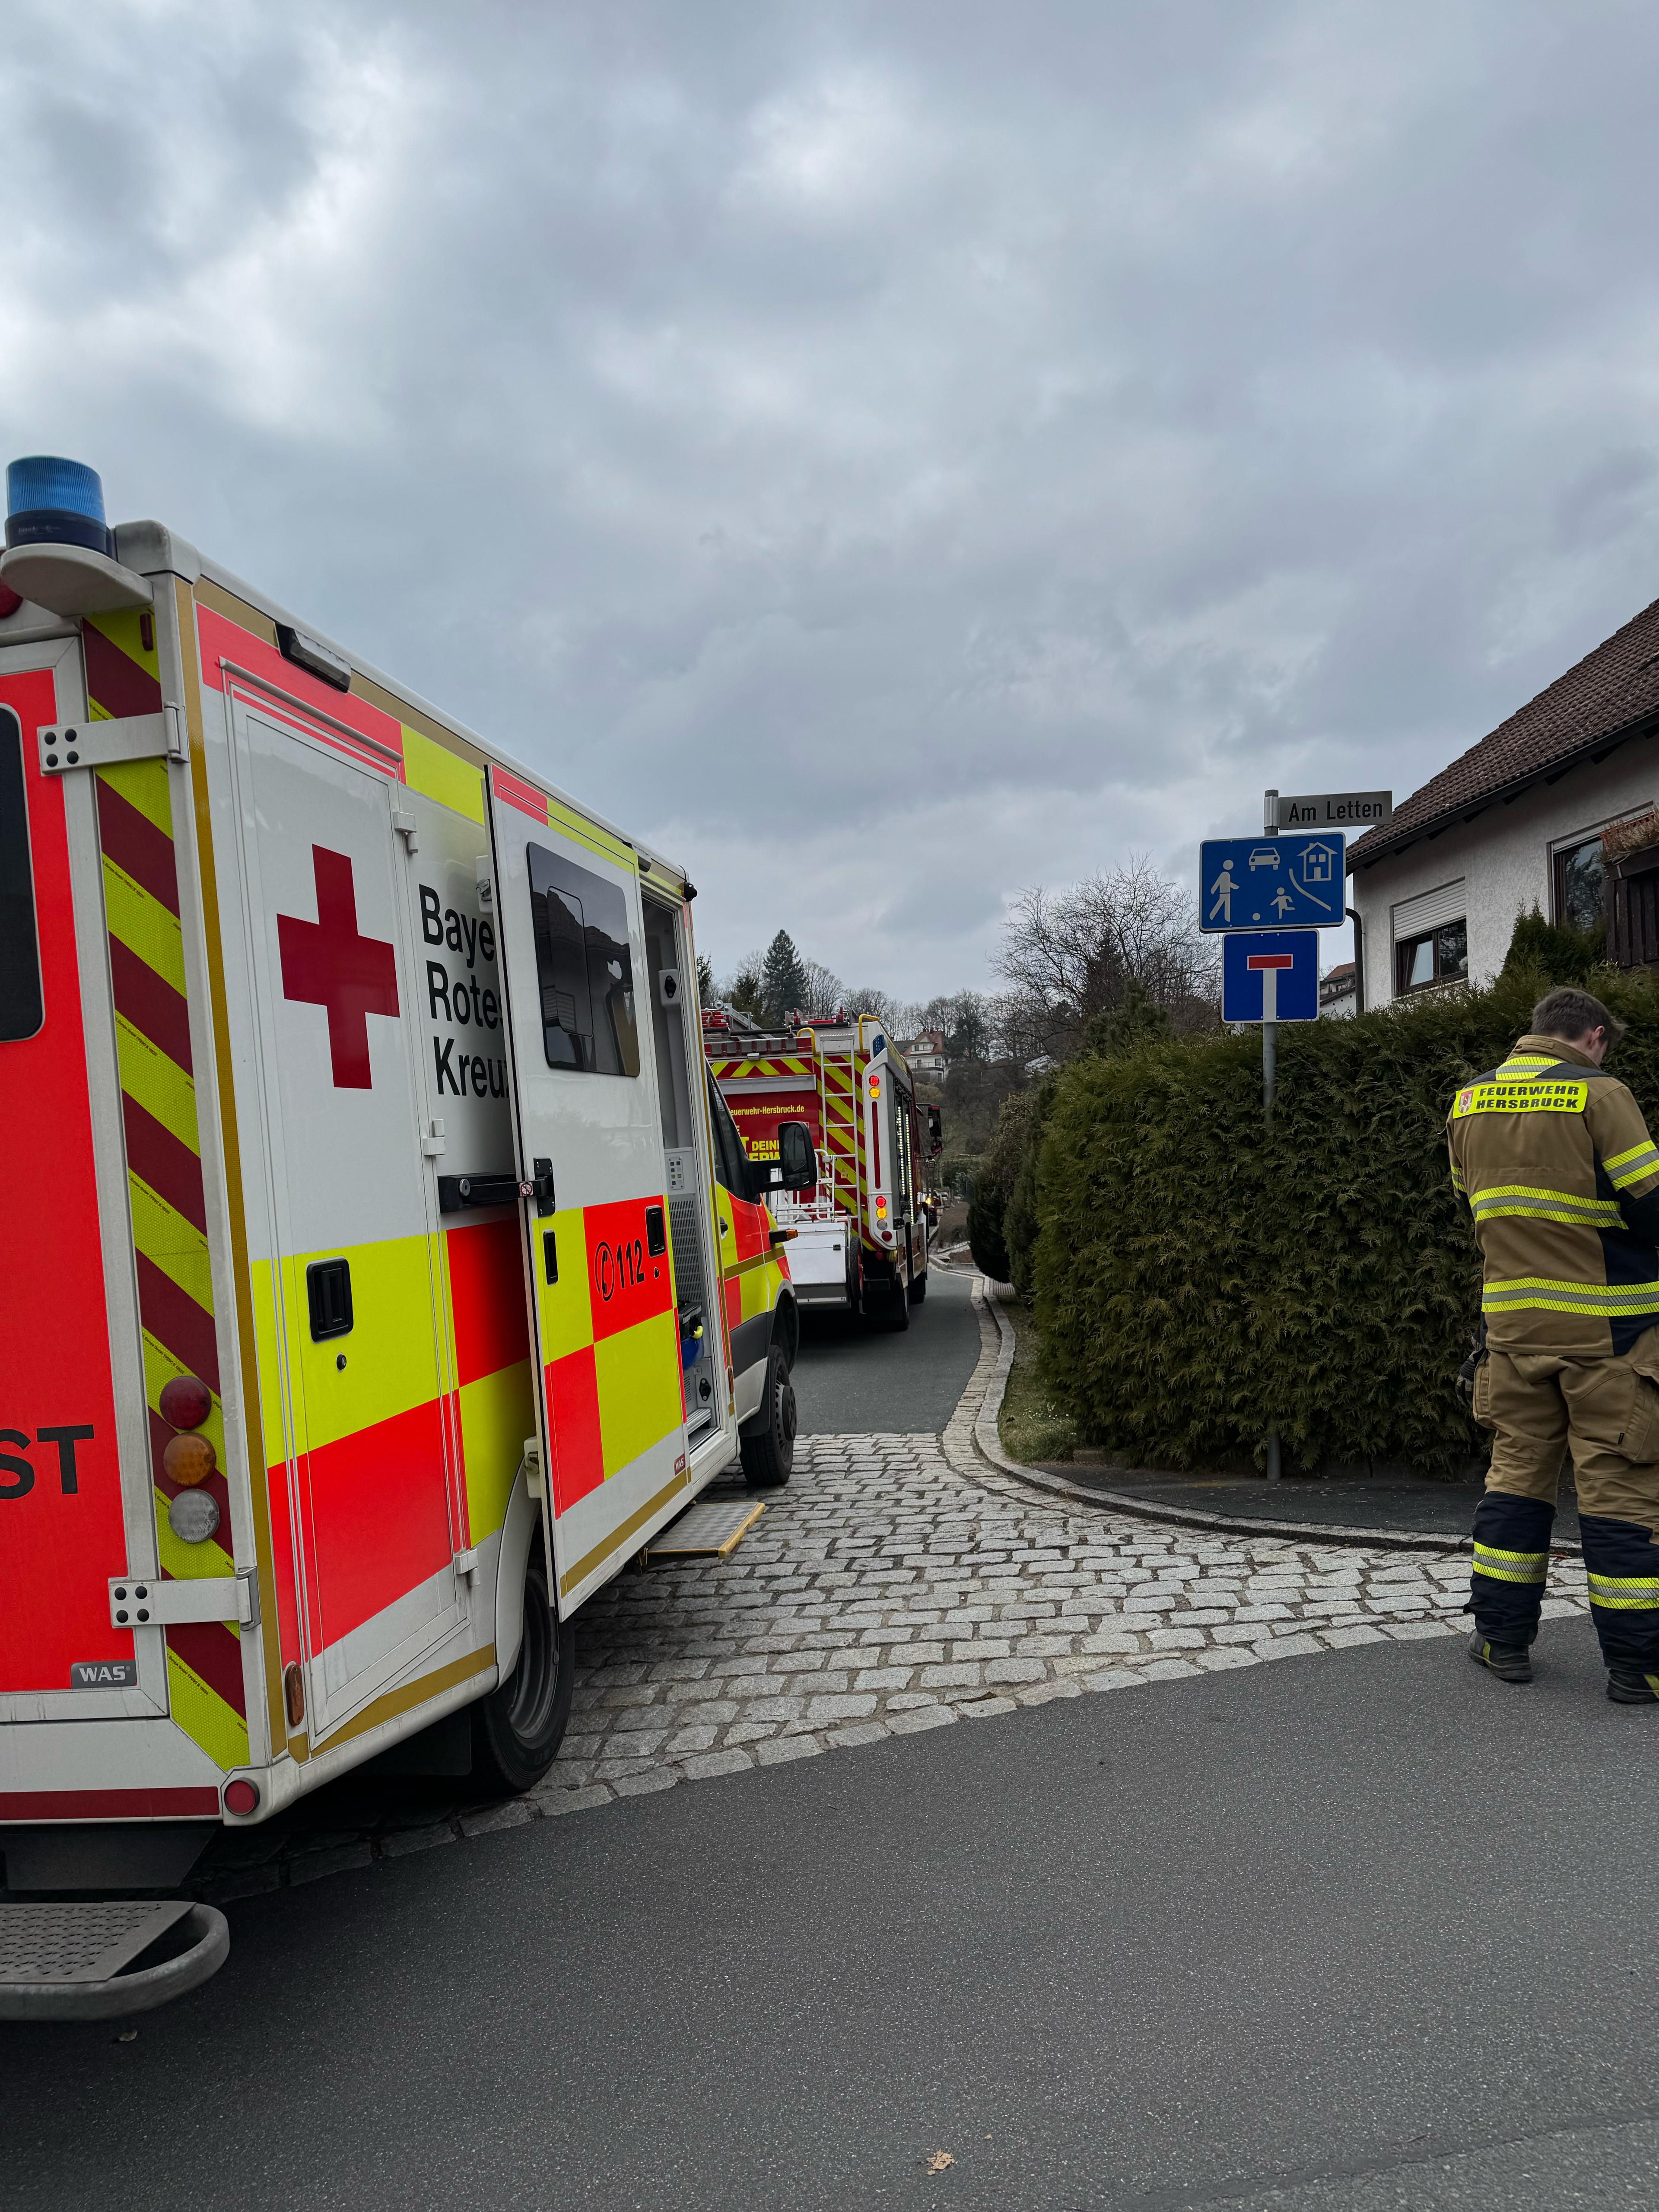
1201, 1279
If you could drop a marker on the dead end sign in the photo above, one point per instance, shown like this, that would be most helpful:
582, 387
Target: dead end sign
1270, 976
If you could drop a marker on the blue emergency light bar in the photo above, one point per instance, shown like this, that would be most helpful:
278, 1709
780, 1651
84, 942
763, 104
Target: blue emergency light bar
53, 501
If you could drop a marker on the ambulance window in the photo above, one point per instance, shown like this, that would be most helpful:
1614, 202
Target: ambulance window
21, 1009
585, 966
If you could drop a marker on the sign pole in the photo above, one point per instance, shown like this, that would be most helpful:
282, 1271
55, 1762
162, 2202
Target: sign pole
1270, 1061
1269, 987
1267, 901
1269, 1057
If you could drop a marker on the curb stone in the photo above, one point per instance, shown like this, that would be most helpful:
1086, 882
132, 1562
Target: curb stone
986, 1441
909, 1582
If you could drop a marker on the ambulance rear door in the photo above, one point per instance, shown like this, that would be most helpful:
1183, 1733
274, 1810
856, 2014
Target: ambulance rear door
364, 1478
76, 1507
611, 1411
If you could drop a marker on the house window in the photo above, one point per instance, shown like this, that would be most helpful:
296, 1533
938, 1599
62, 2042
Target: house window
1440, 956
1579, 877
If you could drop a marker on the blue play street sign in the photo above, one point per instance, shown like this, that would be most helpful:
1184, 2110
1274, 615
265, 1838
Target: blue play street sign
1271, 883
1270, 976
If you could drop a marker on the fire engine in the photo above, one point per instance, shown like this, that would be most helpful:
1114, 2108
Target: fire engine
384, 1269
861, 1230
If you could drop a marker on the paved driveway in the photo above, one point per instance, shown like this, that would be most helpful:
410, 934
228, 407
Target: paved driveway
1355, 1931
852, 1380
1014, 1874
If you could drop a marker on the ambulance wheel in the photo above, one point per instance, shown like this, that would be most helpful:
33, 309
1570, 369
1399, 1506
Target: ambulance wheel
769, 1450
918, 1290
517, 1729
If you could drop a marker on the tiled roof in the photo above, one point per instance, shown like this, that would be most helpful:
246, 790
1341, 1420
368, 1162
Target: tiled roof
1610, 688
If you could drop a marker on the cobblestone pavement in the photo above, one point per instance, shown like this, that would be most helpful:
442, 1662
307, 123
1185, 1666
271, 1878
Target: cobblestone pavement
898, 1584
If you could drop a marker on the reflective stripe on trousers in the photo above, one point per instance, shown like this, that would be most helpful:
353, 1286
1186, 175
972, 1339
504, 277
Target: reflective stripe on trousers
1621, 1566
1511, 1564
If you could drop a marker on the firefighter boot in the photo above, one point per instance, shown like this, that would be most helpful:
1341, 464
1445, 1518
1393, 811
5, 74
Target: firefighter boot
1621, 1566
1510, 1662
1506, 1588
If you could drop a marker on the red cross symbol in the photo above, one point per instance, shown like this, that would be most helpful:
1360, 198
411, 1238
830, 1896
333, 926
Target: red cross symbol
327, 964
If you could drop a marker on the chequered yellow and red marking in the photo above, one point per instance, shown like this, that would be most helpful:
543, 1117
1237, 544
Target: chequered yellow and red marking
611, 1371
168, 1206
494, 1396
754, 1275
356, 1433
375, 1535
610, 1342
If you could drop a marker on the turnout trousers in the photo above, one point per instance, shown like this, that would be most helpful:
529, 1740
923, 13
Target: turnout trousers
1606, 1412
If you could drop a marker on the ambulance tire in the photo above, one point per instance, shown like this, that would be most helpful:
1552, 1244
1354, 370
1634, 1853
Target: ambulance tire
518, 1728
769, 1450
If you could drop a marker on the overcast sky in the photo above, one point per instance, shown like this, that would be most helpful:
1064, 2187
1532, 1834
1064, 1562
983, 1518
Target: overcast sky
887, 455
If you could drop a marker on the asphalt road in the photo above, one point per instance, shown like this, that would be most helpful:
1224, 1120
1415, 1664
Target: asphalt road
1363, 1931
852, 1380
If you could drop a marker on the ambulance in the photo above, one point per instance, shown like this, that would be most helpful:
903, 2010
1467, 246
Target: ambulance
862, 1228
383, 1270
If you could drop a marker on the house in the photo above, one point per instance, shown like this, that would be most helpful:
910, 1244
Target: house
1517, 821
925, 1053
1337, 992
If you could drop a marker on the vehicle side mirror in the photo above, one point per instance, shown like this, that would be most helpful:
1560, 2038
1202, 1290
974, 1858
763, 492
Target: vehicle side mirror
797, 1161
935, 1133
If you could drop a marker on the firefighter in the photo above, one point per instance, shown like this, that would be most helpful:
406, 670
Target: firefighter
1562, 1179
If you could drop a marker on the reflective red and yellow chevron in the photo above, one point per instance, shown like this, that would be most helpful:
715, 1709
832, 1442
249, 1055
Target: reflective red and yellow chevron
163, 1152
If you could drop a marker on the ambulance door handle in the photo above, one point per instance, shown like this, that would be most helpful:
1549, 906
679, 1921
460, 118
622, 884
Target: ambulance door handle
541, 1186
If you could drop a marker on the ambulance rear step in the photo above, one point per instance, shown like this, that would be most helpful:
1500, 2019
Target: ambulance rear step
705, 1531
66, 1961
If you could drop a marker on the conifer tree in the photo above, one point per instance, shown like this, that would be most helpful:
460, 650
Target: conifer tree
783, 981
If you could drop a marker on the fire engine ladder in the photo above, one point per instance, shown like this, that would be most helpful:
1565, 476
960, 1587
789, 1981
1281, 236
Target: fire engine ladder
838, 1100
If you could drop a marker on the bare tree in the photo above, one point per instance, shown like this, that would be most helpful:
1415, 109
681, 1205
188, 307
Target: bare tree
824, 990
1072, 954
965, 1018
898, 1019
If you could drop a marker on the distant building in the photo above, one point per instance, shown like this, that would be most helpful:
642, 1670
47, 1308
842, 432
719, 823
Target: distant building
1517, 821
1338, 992
925, 1053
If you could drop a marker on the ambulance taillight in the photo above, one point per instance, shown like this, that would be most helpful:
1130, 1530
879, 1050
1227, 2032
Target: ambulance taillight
185, 1403
188, 1458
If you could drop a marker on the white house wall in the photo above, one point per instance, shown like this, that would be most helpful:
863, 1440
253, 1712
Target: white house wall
1505, 857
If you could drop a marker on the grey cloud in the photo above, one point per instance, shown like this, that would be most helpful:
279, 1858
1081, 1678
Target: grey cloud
890, 456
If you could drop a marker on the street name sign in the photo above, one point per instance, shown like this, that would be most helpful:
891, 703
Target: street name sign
1270, 976
1330, 809
1273, 883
